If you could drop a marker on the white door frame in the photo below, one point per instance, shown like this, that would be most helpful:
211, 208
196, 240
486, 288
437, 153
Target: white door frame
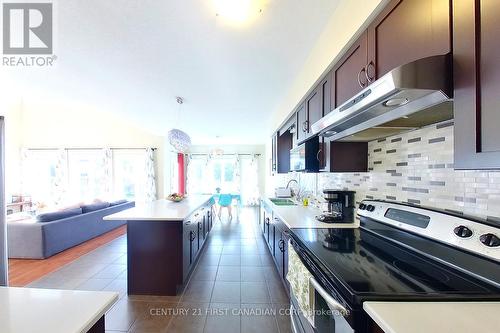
3, 225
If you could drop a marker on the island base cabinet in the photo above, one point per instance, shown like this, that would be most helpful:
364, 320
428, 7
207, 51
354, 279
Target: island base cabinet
154, 257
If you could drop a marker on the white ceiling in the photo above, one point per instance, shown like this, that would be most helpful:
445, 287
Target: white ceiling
132, 57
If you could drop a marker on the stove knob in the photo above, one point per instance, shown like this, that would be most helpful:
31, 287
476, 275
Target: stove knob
370, 208
490, 240
362, 206
462, 231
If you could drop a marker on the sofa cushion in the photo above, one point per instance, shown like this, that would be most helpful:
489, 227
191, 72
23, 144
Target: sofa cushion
59, 215
95, 206
118, 202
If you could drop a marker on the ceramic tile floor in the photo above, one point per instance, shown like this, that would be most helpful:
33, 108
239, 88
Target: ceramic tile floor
234, 288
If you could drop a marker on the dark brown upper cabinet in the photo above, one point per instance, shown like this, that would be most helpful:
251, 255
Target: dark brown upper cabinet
314, 109
302, 126
348, 75
326, 94
342, 156
285, 143
476, 29
407, 30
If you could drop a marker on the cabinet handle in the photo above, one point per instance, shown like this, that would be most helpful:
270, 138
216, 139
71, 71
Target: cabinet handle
267, 220
305, 126
282, 245
361, 84
187, 223
371, 64
192, 236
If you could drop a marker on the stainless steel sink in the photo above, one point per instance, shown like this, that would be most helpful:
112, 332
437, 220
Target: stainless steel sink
282, 202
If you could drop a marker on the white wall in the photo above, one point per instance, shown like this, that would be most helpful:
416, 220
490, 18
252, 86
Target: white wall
349, 19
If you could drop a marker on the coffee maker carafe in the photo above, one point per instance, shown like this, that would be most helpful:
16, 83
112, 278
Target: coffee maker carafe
340, 207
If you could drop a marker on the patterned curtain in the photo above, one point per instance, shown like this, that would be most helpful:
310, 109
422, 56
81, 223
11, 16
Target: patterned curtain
25, 171
150, 194
106, 173
60, 180
237, 174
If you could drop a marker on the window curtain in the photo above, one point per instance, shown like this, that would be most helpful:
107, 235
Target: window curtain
237, 173
150, 176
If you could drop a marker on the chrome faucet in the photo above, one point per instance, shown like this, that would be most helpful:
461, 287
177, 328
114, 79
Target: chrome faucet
294, 194
292, 180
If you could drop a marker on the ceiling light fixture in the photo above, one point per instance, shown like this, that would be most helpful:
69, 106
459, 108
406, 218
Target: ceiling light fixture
238, 11
178, 139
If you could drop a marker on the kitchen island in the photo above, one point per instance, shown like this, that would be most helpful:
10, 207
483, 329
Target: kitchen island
451, 317
164, 240
27, 310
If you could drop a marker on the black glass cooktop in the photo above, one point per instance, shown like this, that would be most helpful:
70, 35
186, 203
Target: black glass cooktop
364, 263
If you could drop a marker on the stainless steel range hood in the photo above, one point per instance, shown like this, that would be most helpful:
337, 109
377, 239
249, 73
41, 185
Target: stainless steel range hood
408, 97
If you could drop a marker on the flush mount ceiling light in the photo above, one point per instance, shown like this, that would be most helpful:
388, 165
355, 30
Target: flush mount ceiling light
238, 11
178, 139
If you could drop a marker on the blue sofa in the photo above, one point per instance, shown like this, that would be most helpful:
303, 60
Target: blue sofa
58, 231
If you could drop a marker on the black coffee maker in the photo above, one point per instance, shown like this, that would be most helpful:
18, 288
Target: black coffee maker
340, 207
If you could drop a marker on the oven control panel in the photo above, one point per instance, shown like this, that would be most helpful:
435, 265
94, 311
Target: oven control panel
456, 231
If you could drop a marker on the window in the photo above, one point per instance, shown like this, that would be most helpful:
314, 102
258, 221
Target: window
129, 176
39, 176
229, 173
86, 178
68, 176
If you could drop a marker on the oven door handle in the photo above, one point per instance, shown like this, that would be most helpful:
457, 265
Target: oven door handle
332, 303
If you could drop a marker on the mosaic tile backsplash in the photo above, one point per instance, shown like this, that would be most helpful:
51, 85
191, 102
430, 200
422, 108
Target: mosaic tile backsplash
414, 167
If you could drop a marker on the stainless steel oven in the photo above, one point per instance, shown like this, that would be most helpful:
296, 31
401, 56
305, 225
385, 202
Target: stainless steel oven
313, 308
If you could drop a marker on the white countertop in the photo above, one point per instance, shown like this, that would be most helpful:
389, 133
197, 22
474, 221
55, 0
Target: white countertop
304, 217
443, 317
161, 210
28, 310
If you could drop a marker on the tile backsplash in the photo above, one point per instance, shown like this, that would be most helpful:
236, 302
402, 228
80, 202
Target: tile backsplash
414, 167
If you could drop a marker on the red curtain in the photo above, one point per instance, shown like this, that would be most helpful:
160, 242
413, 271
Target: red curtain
181, 173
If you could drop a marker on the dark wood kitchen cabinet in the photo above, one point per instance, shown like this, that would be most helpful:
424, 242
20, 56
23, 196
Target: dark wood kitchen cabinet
407, 30
282, 142
326, 94
335, 156
281, 237
285, 143
348, 75
476, 29
274, 153
189, 246
315, 106
314, 109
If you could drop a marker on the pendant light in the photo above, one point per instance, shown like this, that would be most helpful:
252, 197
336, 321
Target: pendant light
178, 139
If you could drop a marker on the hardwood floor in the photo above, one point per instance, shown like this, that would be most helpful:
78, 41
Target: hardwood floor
25, 271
